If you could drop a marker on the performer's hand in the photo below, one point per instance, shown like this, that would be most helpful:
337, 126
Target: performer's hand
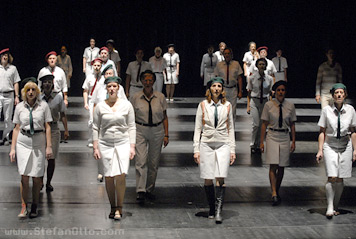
66, 134
177, 74
127, 95
69, 76
262, 147
84, 69
49, 153
66, 103
292, 147
197, 158
239, 95
165, 142
12, 155
86, 106
96, 154
317, 98
17, 100
319, 156
132, 151
354, 156
232, 158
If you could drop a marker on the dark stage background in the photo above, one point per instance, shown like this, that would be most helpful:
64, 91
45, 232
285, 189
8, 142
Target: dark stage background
303, 29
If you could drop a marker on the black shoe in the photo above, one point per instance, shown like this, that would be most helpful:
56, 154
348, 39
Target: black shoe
253, 150
275, 201
140, 197
49, 188
112, 213
150, 196
33, 213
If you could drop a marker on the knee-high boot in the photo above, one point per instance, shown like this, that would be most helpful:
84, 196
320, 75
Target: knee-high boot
210, 195
220, 193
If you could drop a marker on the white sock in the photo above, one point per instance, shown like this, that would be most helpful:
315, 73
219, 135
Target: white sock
339, 188
330, 193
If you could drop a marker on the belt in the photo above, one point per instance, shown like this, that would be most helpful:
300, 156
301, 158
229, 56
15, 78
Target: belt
149, 125
138, 86
53, 122
259, 98
279, 130
28, 132
7, 92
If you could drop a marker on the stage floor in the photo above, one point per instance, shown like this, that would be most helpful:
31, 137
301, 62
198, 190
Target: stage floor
78, 207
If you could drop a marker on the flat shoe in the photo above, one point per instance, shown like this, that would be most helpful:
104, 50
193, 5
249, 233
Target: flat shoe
23, 213
275, 201
49, 188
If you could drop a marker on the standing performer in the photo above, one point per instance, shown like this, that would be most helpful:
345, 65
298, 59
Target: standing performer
114, 135
90, 53
56, 104
64, 62
281, 64
104, 55
158, 65
9, 83
220, 52
249, 57
60, 80
329, 73
151, 132
114, 55
134, 69
171, 73
337, 125
214, 144
278, 115
259, 88
31, 143
208, 64
230, 70
271, 69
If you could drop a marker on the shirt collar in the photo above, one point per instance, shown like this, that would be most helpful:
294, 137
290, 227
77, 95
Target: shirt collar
6, 67
342, 110
212, 103
37, 102
143, 96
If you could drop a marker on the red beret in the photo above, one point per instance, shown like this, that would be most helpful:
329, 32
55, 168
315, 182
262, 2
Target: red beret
4, 51
96, 59
104, 48
262, 48
50, 53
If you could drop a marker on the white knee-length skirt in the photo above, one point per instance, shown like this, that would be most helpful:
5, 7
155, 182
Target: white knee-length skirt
171, 77
31, 154
338, 158
115, 157
214, 160
277, 148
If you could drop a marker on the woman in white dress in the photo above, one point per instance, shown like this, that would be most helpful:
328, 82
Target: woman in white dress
278, 116
114, 139
337, 144
214, 144
171, 73
31, 143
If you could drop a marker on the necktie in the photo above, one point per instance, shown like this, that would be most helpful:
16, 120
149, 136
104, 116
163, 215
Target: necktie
211, 60
216, 119
32, 129
279, 64
338, 136
150, 121
280, 121
227, 73
261, 90
138, 72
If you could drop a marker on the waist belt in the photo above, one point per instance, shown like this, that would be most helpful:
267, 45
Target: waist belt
138, 86
7, 92
149, 125
279, 130
28, 132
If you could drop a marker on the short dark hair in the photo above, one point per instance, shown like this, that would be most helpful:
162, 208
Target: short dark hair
261, 59
143, 74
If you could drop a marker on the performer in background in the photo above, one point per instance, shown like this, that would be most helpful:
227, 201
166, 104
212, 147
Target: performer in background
281, 64
90, 53
158, 65
220, 53
208, 64
278, 116
329, 73
31, 143
9, 84
337, 145
214, 144
114, 135
114, 55
171, 73
64, 61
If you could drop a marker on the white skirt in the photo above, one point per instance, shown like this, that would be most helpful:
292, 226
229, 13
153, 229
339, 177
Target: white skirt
171, 77
214, 160
115, 157
338, 158
277, 148
31, 154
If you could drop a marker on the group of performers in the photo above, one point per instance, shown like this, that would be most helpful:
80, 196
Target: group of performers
132, 123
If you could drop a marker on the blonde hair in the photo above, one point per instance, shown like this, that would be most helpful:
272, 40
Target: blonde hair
158, 49
222, 96
28, 86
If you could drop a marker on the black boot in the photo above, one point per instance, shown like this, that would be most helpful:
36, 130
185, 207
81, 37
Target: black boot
33, 212
210, 195
220, 192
